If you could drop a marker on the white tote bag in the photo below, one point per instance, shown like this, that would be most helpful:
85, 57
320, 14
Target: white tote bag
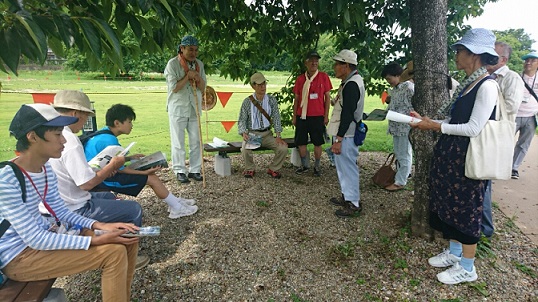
490, 152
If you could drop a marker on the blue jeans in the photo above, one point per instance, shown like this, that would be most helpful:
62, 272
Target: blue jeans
348, 170
104, 207
487, 216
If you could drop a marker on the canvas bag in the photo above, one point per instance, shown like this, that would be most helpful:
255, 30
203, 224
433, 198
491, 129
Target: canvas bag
490, 153
385, 175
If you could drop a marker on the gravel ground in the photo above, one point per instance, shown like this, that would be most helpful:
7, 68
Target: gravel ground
263, 239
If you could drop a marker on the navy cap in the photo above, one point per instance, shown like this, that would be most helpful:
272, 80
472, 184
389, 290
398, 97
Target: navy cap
31, 116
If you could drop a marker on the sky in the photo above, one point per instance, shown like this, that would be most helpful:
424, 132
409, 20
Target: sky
510, 14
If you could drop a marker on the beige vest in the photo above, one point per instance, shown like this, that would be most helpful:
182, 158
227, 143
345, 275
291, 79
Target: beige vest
334, 123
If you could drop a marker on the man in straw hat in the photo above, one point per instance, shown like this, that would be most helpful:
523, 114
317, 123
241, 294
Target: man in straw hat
259, 112
76, 178
185, 73
32, 248
526, 115
311, 111
348, 107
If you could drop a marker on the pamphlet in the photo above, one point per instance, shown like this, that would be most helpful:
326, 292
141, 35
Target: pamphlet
401, 118
254, 141
103, 158
218, 143
144, 231
147, 162
376, 115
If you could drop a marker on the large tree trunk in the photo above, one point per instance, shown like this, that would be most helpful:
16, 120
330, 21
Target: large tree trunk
429, 47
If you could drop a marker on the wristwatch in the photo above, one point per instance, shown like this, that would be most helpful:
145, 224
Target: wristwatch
336, 140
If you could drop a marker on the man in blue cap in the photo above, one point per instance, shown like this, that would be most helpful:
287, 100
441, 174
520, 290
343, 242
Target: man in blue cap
526, 115
185, 80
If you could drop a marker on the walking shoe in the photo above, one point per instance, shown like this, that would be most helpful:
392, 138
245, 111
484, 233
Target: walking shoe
196, 176
339, 201
182, 211
248, 174
349, 210
301, 170
515, 174
274, 174
317, 172
457, 274
183, 178
141, 261
444, 259
187, 202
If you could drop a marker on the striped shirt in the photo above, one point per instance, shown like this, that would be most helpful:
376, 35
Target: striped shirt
28, 227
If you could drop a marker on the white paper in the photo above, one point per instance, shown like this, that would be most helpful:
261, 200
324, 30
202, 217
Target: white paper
126, 150
104, 157
218, 143
401, 118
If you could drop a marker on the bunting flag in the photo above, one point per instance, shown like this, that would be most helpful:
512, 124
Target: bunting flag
384, 96
224, 97
43, 98
228, 125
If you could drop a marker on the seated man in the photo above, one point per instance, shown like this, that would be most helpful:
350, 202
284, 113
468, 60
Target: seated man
258, 112
119, 120
32, 249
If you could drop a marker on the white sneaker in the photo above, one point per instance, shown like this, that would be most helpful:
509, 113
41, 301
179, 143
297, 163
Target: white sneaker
187, 202
444, 259
457, 274
182, 211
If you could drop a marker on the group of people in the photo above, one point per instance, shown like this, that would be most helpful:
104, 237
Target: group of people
63, 191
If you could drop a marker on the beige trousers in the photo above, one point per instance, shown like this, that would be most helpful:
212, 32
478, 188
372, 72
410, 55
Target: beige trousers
268, 141
116, 262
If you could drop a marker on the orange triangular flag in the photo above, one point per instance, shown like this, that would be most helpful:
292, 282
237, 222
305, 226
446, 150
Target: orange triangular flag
224, 97
384, 96
228, 125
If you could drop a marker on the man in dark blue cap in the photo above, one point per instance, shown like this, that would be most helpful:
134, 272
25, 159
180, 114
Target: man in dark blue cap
185, 80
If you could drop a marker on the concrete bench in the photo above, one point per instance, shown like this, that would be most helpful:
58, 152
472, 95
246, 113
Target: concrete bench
222, 161
34, 291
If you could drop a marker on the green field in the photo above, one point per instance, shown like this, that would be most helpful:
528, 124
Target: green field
148, 97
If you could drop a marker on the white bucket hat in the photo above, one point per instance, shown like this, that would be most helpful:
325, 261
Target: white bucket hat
346, 56
478, 41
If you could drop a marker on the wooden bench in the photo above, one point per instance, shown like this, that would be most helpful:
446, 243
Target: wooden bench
235, 147
34, 291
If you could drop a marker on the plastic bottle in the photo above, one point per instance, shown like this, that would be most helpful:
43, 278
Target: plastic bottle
75, 230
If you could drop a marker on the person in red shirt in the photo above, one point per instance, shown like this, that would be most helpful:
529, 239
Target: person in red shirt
311, 111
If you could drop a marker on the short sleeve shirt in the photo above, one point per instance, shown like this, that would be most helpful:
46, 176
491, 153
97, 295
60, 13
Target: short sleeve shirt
316, 98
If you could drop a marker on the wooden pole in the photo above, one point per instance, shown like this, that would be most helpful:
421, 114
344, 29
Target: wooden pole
199, 131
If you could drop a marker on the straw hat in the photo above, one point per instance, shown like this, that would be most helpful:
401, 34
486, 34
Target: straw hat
209, 99
408, 72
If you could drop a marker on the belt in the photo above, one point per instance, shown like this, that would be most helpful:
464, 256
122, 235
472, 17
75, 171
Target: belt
262, 130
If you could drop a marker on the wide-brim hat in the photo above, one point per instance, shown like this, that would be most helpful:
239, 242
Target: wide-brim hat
73, 99
209, 99
478, 41
530, 55
346, 56
31, 116
408, 72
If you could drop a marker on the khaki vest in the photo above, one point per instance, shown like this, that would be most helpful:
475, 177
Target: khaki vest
334, 123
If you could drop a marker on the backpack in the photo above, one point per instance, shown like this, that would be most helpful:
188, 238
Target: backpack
4, 225
84, 138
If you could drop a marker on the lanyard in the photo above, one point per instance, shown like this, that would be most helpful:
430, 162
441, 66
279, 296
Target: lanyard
44, 196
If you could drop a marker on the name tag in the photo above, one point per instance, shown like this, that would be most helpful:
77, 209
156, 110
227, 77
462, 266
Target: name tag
313, 96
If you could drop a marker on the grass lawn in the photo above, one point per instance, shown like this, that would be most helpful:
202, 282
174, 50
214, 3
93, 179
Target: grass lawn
148, 97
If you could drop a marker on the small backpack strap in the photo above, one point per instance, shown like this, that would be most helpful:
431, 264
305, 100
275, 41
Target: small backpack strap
4, 225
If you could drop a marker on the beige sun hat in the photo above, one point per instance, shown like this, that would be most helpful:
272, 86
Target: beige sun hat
73, 99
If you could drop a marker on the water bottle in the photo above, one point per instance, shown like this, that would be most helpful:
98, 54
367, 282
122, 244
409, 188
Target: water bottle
75, 230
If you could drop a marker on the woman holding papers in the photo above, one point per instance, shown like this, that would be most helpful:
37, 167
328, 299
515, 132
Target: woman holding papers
401, 95
455, 200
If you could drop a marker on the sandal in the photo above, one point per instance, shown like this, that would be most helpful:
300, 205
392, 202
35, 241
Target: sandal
394, 188
248, 174
274, 174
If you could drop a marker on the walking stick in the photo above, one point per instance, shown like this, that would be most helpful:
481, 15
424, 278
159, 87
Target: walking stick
193, 85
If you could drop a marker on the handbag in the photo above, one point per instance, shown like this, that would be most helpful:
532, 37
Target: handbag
385, 175
490, 153
360, 133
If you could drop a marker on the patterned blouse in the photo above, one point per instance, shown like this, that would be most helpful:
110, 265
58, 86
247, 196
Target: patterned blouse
400, 102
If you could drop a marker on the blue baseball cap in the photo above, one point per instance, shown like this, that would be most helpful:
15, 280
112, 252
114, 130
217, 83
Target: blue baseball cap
31, 116
530, 55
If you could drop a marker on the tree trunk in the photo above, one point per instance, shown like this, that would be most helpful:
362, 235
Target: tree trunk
429, 47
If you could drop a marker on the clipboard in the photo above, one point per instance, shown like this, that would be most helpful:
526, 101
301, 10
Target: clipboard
377, 115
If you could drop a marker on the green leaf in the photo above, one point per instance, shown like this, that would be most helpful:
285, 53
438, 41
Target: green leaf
56, 46
38, 47
10, 55
135, 26
167, 6
109, 35
90, 35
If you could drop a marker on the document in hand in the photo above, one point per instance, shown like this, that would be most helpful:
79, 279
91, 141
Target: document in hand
103, 158
147, 162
